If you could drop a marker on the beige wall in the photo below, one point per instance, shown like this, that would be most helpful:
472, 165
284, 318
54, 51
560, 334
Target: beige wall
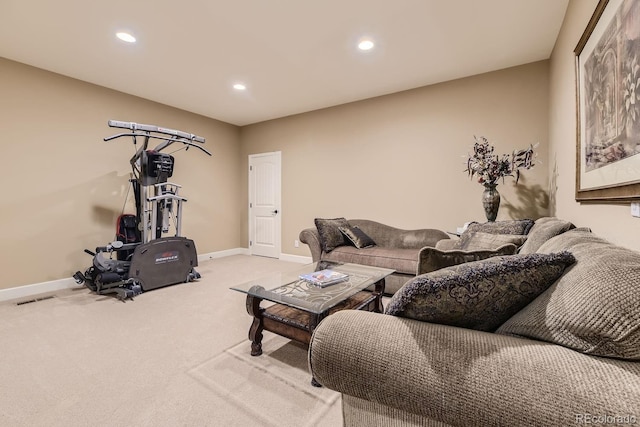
63, 187
399, 159
611, 221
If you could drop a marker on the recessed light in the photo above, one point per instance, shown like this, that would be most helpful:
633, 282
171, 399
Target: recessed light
126, 37
366, 44
239, 86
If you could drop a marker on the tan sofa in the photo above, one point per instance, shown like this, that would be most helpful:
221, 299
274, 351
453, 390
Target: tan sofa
569, 357
408, 252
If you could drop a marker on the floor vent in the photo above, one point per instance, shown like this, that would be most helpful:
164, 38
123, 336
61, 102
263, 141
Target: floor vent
35, 300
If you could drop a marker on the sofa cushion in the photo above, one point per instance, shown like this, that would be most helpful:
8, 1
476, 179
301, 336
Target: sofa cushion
357, 237
594, 307
517, 227
543, 230
432, 259
481, 240
478, 295
402, 260
329, 232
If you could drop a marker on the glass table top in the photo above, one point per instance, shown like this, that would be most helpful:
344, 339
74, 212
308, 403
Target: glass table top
287, 287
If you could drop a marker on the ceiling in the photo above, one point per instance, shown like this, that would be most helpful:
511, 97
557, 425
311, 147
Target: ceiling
293, 55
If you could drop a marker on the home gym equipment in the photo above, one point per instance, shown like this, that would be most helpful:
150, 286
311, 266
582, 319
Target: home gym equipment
145, 259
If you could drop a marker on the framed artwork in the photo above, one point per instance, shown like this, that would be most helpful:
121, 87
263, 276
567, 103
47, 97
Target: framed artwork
608, 104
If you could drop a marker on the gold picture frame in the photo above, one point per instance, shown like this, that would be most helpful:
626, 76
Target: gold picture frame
607, 60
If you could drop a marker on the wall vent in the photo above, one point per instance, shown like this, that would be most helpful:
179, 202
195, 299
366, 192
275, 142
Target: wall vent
35, 300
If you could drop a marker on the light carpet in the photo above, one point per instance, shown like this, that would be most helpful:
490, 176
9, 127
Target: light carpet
267, 386
175, 356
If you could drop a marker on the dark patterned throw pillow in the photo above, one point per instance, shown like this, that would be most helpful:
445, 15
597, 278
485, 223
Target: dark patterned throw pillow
357, 237
515, 226
479, 295
329, 231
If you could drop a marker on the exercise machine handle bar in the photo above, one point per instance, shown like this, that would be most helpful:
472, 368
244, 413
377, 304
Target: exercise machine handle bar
113, 246
176, 135
167, 196
150, 128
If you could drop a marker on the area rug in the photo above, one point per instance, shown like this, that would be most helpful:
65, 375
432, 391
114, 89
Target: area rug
274, 387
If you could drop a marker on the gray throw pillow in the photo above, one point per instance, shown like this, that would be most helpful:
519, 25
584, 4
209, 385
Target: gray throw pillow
595, 306
329, 232
543, 230
478, 295
357, 237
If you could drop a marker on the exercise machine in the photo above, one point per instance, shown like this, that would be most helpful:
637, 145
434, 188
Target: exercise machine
146, 256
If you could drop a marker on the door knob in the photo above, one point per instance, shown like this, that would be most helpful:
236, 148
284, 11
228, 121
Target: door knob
275, 212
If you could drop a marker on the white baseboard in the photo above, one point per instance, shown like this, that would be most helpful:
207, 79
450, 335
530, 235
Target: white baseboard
28, 291
296, 258
222, 254
244, 251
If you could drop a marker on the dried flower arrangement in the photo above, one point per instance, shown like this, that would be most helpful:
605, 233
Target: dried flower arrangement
490, 167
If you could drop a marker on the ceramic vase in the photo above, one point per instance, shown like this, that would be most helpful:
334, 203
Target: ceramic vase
491, 201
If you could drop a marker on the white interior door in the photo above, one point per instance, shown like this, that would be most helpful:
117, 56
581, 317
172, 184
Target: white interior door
264, 204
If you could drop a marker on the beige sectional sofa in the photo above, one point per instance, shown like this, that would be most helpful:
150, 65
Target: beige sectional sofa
569, 356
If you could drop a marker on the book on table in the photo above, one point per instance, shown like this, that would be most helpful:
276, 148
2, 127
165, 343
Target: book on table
325, 277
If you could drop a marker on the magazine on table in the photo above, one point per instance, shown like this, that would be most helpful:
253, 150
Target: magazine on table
325, 277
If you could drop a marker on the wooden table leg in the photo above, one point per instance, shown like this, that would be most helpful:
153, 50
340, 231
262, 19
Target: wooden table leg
255, 332
378, 292
315, 321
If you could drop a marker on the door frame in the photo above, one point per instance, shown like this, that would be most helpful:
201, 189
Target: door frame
278, 188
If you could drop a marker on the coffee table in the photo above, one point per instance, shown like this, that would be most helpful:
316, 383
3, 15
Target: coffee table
297, 307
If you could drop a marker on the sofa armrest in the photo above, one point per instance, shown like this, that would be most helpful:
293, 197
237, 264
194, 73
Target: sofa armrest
311, 237
466, 377
432, 259
447, 244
